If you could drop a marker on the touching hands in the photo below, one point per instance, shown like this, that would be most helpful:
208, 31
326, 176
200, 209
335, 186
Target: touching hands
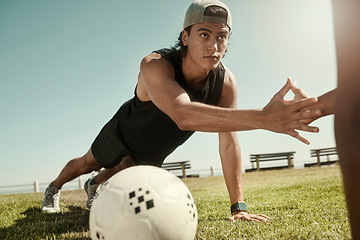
298, 93
325, 102
301, 94
283, 116
244, 216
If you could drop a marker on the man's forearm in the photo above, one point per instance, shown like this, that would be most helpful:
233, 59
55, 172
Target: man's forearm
200, 117
326, 103
230, 155
276, 116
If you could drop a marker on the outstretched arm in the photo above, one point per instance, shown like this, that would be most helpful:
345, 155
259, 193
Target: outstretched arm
157, 84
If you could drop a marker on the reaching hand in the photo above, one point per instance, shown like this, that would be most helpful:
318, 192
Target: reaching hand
298, 93
244, 216
288, 116
324, 105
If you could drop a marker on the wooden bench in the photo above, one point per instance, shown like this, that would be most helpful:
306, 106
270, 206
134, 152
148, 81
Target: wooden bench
257, 158
173, 166
318, 153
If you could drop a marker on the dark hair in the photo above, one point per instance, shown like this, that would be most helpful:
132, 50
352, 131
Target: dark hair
214, 11
179, 44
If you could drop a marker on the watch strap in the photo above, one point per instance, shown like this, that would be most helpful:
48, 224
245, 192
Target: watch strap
238, 207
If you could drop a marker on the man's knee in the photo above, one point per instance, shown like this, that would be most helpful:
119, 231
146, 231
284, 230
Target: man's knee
127, 162
90, 162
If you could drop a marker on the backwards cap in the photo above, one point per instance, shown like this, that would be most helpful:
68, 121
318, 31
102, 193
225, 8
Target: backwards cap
195, 13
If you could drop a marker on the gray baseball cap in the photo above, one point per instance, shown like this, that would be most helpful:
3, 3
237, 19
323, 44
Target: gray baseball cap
195, 13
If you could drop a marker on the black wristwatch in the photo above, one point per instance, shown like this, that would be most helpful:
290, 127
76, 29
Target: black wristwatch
238, 207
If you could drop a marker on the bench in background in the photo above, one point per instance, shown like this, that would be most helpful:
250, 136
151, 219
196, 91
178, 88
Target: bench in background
318, 153
183, 165
257, 158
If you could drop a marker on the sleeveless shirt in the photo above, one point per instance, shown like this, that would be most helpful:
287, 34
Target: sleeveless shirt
148, 133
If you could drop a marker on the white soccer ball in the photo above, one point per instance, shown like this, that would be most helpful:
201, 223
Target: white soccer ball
143, 202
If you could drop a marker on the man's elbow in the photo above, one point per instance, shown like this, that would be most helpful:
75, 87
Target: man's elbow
183, 121
186, 126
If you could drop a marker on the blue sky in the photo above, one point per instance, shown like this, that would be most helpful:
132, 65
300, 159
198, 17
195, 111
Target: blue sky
67, 66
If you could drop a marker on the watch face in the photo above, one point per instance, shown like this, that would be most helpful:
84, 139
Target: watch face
239, 206
242, 206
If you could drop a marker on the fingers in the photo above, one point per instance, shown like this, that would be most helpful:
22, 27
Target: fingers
294, 87
309, 114
298, 136
303, 127
298, 92
306, 128
303, 103
264, 216
249, 217
285, 89
289, 116
258, 218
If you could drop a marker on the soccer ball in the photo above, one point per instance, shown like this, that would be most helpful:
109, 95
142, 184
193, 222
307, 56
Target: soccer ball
143, 202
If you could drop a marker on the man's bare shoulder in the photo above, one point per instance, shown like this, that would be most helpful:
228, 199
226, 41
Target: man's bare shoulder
155, 61
229, 92
152, 56
154, 70
229, 79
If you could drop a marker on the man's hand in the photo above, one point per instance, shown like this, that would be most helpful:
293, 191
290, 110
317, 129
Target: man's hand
288, 116
299, 93
325, 102
244, 216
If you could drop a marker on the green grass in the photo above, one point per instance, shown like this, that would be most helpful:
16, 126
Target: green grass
303, 204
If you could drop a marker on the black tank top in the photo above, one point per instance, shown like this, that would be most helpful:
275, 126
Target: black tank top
148, 133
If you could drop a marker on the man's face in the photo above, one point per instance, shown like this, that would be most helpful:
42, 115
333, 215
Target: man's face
206, 44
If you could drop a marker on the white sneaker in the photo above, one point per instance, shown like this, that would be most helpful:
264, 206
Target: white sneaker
91, 191
51, 201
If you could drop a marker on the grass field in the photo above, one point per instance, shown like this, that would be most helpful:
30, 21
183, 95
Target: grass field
302, 203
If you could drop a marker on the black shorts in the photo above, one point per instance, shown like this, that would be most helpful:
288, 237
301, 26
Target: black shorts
107, 147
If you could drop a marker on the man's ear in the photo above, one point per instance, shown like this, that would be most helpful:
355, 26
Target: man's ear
184, 38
